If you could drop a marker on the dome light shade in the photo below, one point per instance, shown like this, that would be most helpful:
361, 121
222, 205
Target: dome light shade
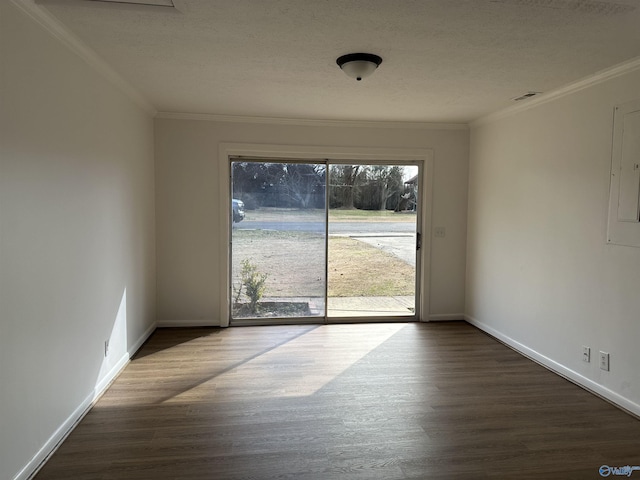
359, 65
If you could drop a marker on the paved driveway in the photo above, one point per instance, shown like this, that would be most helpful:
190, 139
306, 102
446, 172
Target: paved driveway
402, 246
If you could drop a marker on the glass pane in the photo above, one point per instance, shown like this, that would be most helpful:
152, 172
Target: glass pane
372, 240
278, 240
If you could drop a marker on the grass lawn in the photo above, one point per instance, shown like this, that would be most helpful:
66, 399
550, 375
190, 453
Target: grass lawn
294, 262
357, 269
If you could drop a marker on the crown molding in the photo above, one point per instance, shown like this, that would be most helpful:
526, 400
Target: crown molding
310, 122
590, 81
90, 57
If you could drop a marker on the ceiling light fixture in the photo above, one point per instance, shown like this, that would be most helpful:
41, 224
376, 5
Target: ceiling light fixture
359, 65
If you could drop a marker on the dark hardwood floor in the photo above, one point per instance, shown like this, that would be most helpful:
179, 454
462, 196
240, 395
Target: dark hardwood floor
379, 401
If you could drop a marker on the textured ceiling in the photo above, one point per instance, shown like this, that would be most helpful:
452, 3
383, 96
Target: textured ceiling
443, 60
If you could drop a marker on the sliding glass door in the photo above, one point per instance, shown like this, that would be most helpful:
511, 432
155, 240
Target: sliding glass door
323, 241
278, 240
372, 240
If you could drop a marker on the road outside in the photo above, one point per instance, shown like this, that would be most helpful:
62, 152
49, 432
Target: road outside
344, 227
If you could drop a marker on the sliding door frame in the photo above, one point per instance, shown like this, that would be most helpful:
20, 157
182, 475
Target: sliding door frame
338, 155
418, 254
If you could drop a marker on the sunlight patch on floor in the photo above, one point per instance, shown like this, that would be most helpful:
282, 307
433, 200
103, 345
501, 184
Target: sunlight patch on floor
300, 367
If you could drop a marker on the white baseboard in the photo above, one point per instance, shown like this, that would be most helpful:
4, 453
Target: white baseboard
188, 323
50, 446
111, 375
445, 317
108, 379
571, 375
63, 431
143, 338
433, 317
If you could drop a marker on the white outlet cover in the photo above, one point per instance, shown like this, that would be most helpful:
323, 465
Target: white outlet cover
604, 361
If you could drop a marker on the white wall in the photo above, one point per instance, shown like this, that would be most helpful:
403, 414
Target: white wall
188, 219
539, 273
77, 232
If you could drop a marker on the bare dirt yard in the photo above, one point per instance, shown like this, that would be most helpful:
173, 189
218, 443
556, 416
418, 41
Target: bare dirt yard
293, 261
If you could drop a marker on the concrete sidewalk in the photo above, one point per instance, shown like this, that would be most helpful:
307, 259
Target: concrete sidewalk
357, 306
371, 306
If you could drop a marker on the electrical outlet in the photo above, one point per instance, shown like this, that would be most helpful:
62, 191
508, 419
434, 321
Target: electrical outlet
604, 361
439, 232
586, 354
106, 348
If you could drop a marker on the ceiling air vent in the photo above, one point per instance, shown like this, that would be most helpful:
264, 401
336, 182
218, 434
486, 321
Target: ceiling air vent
526, 95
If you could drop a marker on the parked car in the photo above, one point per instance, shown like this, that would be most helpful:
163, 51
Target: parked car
238, 210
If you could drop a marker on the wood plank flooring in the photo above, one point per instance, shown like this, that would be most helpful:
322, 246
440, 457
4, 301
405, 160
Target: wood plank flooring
353, 402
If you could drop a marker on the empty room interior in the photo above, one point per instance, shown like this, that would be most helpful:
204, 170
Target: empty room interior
172, 169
